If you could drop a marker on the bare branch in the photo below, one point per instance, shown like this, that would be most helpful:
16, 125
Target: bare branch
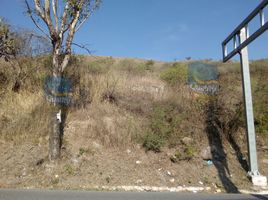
64, 19
83, 21
30, 12
55, 12
48, 19
70, 39
82, 47
39, 9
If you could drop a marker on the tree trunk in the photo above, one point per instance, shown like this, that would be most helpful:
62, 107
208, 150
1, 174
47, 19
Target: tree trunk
55, 136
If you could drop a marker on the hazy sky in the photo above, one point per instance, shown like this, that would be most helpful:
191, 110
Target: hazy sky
157, 29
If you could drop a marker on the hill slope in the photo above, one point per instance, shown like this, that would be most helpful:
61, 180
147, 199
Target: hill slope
132, 122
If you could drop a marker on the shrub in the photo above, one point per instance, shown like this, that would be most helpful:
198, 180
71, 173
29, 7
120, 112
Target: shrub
82, 151
164, 126
175, 74
153, 142
69, 169
188, 153
133, 67
149, 64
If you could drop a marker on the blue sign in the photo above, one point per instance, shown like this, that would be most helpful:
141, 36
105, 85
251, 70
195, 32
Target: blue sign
203, 78
58, 90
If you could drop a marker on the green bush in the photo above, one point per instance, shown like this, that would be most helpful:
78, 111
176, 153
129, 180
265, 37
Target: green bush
149, 64
175, 74
153, 142
133, 67
164, 127
188, 153
69, 169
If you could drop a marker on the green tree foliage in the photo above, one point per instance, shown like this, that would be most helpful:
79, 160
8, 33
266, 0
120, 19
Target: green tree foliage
7, 41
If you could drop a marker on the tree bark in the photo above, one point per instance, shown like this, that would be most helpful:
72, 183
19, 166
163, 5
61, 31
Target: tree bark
55, 136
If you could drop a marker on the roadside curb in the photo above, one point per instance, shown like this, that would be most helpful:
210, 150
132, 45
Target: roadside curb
261, 191
153, 188
129, 188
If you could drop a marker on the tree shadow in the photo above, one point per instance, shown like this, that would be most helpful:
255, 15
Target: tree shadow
261, 197
230, 128
216, 147
238, 153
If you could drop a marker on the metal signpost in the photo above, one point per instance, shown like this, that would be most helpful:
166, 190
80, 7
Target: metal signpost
240, 38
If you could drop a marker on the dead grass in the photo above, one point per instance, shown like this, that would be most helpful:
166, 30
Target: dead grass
23, 116
114, 107
116, 96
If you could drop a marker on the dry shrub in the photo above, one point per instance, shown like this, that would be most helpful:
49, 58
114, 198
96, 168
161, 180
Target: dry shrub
23, 115
104, 123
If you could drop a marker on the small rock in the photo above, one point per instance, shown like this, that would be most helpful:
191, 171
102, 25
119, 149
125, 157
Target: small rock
76, 162
24, 173
213, 152
201, 183
264, 147
214, 185
56, 176
218, 190
128, 151
138, 181
172, 180
187, 140
265, 161
206, 153
169, 173
138, 162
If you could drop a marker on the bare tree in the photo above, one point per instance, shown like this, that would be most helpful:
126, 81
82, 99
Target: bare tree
59, 21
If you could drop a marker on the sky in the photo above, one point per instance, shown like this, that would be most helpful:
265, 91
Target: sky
165, 30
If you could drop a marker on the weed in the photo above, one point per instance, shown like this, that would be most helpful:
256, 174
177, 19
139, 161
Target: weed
176, 157
55, 181
108, 179
82, 151
69, 169
153, 142
164, 126
190, 152
205, 180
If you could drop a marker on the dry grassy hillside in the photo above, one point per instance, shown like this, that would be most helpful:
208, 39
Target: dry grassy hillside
131, 122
